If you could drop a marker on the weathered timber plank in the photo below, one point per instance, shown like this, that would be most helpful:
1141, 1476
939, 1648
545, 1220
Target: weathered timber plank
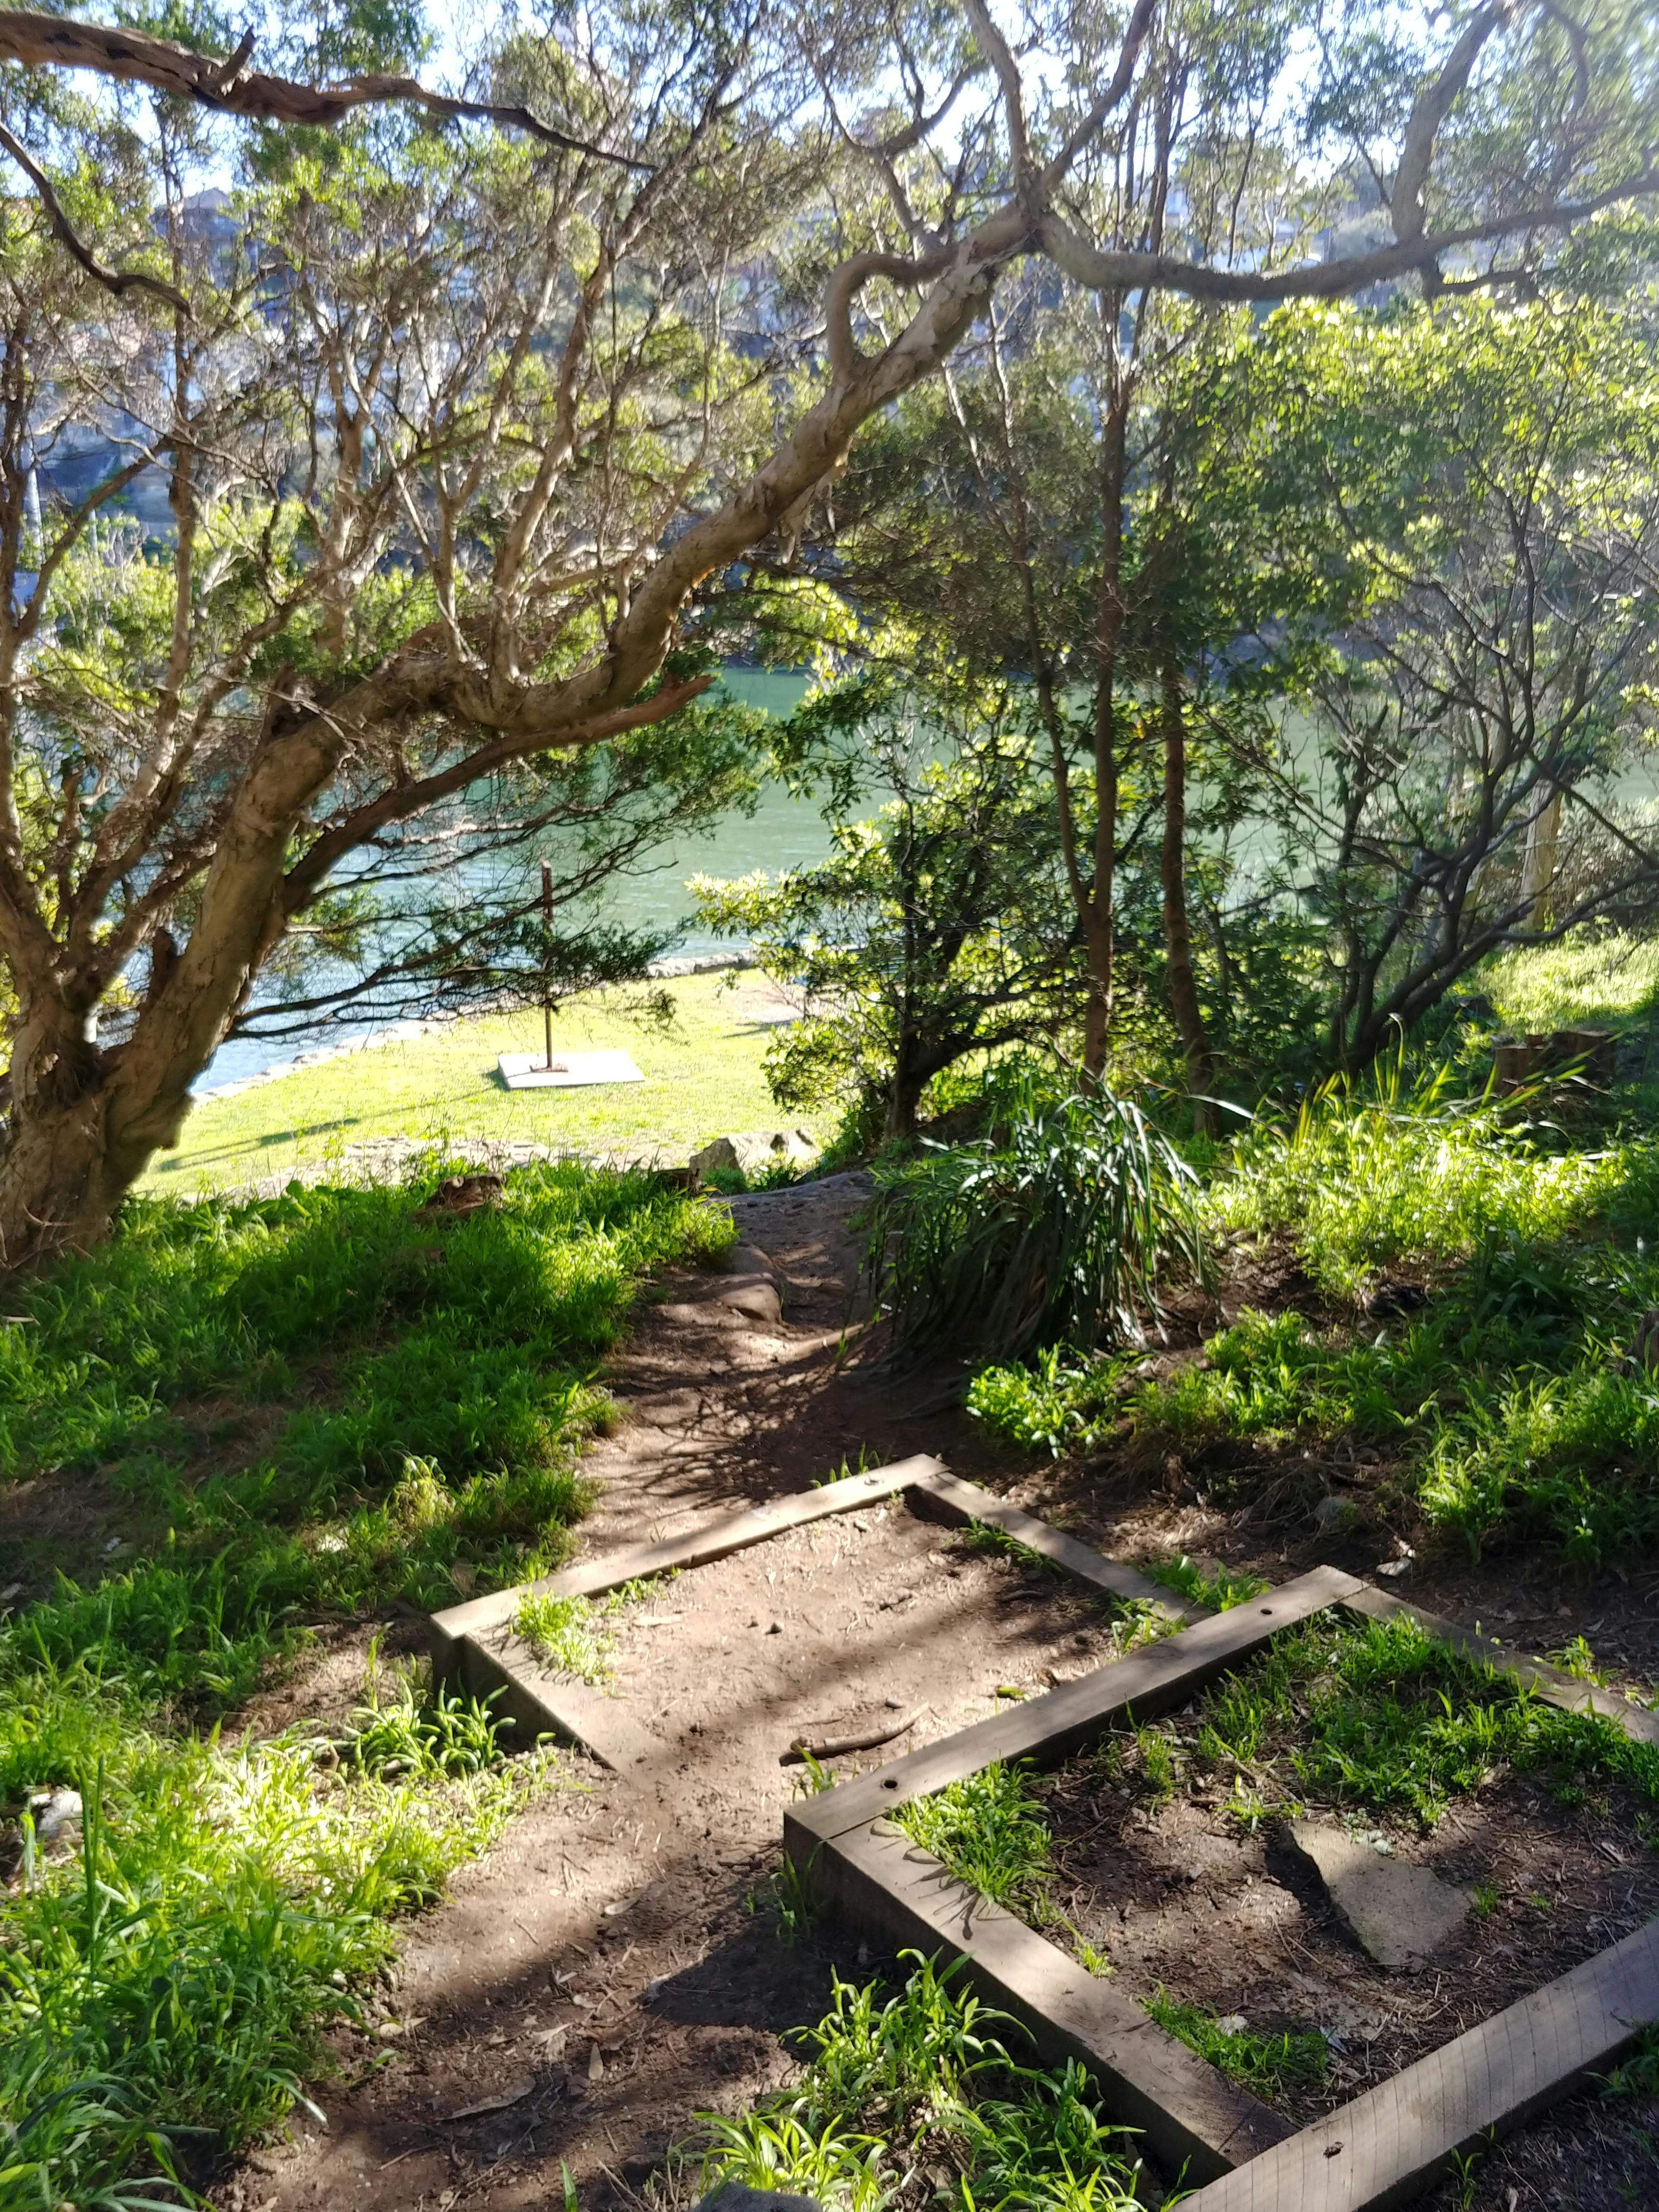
541, 1703
966, 1501
1385, 2147
1190, 2116
1549, 1682
1050, 1728
699, 1548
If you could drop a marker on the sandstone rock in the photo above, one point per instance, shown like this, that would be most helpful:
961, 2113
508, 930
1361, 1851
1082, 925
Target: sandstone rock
1400, 1913
752, 1149
754, 1295
734, 2196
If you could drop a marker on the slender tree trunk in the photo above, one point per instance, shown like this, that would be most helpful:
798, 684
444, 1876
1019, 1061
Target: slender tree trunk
1182, 982
1096, 912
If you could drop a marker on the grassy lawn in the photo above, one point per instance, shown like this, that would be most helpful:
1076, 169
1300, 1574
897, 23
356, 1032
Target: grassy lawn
1600, 981
235, 1426
702, 1077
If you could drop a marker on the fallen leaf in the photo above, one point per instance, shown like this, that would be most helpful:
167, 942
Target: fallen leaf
621, 1905
552, 2041
595, 2064
514, 2093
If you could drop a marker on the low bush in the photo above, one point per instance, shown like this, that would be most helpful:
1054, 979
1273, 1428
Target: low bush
1063, 1234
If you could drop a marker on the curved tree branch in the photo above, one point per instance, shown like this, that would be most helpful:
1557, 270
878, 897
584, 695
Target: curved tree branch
227, 84
119, 281
1434, 104
1117, 268
846, 360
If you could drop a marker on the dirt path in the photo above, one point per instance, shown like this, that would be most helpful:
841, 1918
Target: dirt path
614, 1966
635, 1916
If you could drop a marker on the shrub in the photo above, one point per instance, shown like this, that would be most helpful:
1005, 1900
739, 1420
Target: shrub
1061, 1235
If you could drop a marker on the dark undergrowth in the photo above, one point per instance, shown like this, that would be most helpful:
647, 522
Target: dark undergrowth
302, 1409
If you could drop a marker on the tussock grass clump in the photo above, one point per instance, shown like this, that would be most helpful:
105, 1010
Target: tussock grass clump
917, 2081
1062, 1234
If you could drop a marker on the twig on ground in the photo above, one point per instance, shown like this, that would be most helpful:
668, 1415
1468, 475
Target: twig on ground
833, 1746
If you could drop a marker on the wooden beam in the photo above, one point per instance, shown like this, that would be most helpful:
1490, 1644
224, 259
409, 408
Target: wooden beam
1549, 1682
1050, 1728
966, 1501
540, 1703
1387, 2146
1189, 2115
698, 1548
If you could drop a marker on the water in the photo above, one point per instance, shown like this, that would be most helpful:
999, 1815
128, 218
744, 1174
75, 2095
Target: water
782, 832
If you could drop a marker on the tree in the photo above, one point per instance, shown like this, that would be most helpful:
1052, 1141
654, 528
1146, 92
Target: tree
1469, 497
937, 927
459, 439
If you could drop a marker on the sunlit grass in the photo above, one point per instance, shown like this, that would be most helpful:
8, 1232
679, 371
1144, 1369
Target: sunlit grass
1592, 979
926, 2079
315, 1404
702, 1077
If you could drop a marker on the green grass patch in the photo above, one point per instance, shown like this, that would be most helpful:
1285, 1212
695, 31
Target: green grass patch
984, 1540
1591, 980
1266, 2063
1384, 1716
1221, 1589
569, 1633
702, 1076
989, 1832
1366, 1178
317, 1402
923, 2081
1060, 1403
164, 1994
1508, 1401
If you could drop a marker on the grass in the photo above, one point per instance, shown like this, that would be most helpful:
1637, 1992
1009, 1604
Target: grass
1383, 1716
568, 1633
1591, 980
921, 2080
985, 1540
164, 1997
1507, 1401
989, 1832
1062, 1233
1221, 1589
1266, 2063
702, 1077
302, 1408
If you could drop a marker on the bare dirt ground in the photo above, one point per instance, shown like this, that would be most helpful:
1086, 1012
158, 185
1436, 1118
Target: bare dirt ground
614, 1966
1181, 1898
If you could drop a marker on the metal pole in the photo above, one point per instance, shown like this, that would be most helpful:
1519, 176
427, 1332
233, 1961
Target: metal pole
547, 959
